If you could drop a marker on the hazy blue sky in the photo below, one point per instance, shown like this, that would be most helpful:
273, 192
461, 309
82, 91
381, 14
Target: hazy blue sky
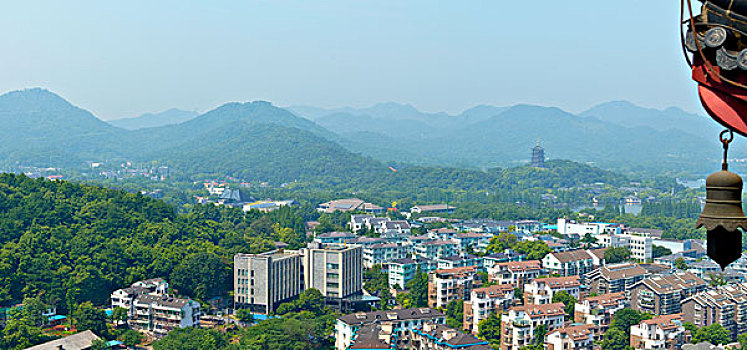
123, 58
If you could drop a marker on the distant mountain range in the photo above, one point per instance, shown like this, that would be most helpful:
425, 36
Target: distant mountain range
261, 141
151, 120
615, 135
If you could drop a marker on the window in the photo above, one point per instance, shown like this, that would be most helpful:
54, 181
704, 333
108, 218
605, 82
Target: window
333, 266
332, 275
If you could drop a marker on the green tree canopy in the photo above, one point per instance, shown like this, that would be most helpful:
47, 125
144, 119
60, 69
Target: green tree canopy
202, 275
615, 255
625, 318
568, 300
490, 329
88, 317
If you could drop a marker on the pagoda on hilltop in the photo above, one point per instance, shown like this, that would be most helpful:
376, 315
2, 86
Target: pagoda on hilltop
538, 156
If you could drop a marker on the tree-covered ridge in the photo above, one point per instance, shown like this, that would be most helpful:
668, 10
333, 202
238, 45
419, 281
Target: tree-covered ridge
71, 243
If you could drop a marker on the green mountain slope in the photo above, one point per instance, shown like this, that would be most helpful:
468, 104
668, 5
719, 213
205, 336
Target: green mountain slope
39, 126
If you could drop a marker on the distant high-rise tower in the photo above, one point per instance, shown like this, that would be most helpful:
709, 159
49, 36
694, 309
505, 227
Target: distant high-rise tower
538, 156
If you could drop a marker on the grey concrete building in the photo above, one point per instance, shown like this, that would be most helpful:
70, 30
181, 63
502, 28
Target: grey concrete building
263, 281
335, 270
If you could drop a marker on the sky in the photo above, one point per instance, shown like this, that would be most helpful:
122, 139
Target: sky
124, 58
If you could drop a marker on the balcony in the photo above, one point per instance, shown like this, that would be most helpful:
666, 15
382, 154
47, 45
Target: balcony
521, 323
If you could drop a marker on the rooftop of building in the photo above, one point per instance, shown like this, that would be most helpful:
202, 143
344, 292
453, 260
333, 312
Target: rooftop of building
162, 300
521, 265
558, 282
391, 315
77, 341
545, 310
606, 299
443, 334
666, 322
675, 282
571, 255
577, 332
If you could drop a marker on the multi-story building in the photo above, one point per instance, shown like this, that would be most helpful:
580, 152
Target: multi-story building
452, 284
382, 253
541, 290
443, 233
473, 241
151, 309
263, 281
614, 278
576, 337
454, 261
517, 273
358, 222
663, 332
573, 262
435, 336
402, 271
725, 305
393, 227
641, 247
571, 228
334, 237
335, 270
483, 301
662, 294
399, 322
435, 249
519, 324
599, 310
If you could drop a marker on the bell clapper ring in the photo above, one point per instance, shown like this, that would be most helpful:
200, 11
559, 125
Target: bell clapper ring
725, 142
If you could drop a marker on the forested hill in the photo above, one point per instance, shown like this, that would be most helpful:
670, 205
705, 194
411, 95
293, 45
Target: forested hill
70, 243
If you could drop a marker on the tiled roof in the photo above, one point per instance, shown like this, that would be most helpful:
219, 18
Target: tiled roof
559, 282
521, 265
571, 255
545, 310
391, 315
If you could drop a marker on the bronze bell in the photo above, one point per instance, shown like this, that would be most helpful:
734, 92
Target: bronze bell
722, 215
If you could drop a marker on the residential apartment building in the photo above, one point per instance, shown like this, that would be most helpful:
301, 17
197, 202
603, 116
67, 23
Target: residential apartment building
573, 262
335, 270
599, 310
435, 249
483, 301
435, 336
382, 253
519, 324
452, 284
151, 309
517, 273
725, 305
576, 337
334, 237
402, 271
614, 278
541, 290
641, 247
662, 294
399, 323
663, 332
454, 261
263, 281
471, 241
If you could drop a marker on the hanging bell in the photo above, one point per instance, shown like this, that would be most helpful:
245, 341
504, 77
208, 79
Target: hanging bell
722, 215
